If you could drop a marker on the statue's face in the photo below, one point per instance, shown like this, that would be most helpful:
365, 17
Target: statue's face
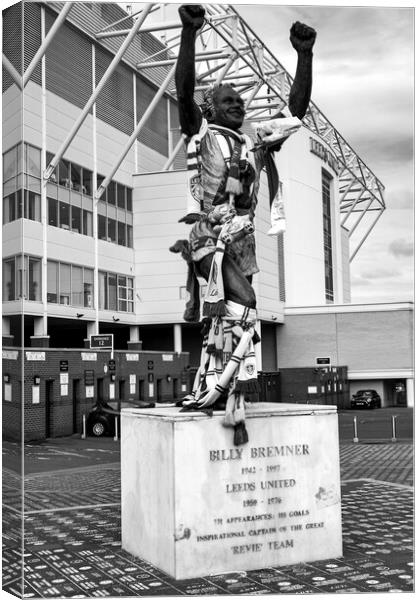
229, 108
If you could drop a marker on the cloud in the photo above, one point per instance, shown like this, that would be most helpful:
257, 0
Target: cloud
401, 248
379, 273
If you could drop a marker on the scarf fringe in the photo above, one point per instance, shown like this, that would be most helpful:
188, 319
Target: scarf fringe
240, 435
214, 309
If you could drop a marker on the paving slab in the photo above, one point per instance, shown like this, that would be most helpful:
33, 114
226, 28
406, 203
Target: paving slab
73, 549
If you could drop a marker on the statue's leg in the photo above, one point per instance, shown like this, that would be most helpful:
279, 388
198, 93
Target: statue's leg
236, 285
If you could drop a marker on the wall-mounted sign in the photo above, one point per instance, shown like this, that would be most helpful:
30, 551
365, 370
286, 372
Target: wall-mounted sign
64, 378
150, 365
10, 354
322, 152
89, 377
132, 357
35, 394
35, 356
168, 357
89, 356
323, 360
64, 366
102, 341
111, 365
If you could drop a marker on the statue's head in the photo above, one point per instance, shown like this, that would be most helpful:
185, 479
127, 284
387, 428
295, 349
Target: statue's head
223, 106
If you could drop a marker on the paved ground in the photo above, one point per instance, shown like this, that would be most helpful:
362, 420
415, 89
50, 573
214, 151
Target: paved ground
72, 529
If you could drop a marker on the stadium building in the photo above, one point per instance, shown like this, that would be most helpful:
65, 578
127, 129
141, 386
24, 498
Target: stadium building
94, 180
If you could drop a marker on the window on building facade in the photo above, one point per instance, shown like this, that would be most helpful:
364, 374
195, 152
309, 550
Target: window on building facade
22, 278
328, 255
76, 213
21, 190
69, 284
116, 292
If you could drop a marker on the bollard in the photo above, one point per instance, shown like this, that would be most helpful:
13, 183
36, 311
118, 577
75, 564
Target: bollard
84, 427
355, 438
394, 436
116, 430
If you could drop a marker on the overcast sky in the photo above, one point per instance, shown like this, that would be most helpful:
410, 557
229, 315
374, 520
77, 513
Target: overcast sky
364, 83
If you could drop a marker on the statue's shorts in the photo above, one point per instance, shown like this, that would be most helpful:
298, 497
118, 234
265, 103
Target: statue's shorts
203, 241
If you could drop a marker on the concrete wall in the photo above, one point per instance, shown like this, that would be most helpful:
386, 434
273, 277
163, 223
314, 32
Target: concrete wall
364, 339
301, 174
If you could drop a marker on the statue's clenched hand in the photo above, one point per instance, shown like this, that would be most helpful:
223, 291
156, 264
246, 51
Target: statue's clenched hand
192, 16
302, 37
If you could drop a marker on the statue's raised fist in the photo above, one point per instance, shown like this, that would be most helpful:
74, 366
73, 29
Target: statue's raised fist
192, 15
302, 37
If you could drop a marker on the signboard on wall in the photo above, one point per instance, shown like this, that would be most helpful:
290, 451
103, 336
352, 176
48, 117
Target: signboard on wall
323, 360
102, 341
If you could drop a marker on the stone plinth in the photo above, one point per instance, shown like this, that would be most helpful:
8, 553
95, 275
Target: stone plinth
193, 504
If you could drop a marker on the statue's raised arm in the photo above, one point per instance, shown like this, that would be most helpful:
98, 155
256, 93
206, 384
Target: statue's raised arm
302, 38
192, 17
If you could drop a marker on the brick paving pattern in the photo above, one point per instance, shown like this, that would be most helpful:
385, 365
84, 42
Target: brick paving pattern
73, 533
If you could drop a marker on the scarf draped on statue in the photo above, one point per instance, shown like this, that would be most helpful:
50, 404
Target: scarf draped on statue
228, 368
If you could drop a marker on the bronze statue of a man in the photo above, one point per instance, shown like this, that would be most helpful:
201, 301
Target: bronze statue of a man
221, 248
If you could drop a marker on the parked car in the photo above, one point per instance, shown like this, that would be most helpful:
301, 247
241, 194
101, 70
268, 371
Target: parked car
366, 399
101, 419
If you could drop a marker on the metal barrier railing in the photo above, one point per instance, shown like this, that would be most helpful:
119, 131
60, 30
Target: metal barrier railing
356, 438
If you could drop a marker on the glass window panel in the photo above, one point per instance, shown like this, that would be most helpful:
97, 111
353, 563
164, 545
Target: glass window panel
77, 286
9, 208
122, 293
52, 281
19, 158
10, 186
122, 305
76, 219
112, 230
101, 227
87, 223
32, 206
88, 287
54, 175
64, 173
10, 168
19, 204
129, 199
121, 234
65, 278
20, 277
130, 306
33, 161
87, 182
52, 212
64, 215
112, 291
34, 279
76, 177
111, 193
121, 195
103, 290
129, 236
122, 280
9, 287
33, 184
